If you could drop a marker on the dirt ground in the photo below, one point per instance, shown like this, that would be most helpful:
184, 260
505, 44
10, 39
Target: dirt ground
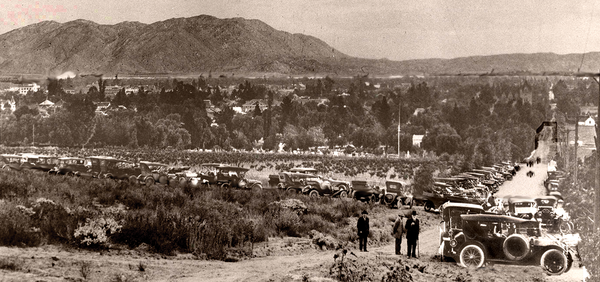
280, 259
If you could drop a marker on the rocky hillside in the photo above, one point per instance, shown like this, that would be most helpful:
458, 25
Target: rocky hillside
205, 43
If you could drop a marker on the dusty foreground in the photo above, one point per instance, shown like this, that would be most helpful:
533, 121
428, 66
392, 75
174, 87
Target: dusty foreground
281, 259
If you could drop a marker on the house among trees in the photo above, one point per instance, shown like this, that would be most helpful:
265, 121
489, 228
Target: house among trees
417, 140
24, 89
249, 106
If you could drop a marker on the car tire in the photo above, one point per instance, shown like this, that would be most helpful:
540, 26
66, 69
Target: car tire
344, 194
149, 181
554, 262
516, 247
565, 226
313, 194
429, 206
256, 187
133, 180
291, 190
472, 256
163, 179
225, 186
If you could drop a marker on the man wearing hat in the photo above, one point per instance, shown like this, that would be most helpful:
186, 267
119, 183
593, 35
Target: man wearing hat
363, 231
412, 234
398, 231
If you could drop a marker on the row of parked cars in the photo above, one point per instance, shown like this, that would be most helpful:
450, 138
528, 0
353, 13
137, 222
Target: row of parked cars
140, 173
521, 230
470, 187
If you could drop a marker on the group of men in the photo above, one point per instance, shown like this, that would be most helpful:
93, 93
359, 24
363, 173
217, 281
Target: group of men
410, 228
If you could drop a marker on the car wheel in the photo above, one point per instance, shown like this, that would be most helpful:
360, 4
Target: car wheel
291, 190
163, 179
313, 194
256, 187
429, 206
554, 262
343, 194
70, 173
472, 256
133, 180
225, 186
565, 226
149, 181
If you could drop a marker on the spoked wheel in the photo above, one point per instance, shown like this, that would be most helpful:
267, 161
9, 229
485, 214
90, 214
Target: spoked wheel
565, 226
313, 194
225, 186
291, 190
554, 262
472, 256
344, 194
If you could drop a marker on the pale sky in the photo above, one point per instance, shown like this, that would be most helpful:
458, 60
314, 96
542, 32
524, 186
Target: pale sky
392, 29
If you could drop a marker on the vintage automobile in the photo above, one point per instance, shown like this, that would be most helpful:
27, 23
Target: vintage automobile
396, 194
11, 162
499, 238
104, 167
45, 163
71, 166
233, 176
153, 172
28, 161
440, 192
522, 207
293, 181
452, 223
337, 184
364, 192
552, 215
317, 186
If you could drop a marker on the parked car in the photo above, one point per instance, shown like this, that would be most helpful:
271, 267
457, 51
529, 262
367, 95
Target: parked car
233, 176
338, 184
293, 181
316, 186
45, 163
104, 167
363, 191
396, 194
11, 162
522, 207
551, 216
451, 224
153, 172
499, 238
71, 166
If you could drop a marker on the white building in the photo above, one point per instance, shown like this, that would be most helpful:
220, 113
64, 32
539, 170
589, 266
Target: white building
417, 139
24, 89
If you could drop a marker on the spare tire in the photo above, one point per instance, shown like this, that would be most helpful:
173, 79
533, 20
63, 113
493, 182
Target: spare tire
516, 247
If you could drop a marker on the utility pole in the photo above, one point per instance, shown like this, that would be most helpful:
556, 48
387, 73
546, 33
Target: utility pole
597, 141
576, 144
399, 108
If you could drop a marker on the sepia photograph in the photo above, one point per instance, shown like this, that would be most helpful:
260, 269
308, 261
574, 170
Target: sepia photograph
299, 140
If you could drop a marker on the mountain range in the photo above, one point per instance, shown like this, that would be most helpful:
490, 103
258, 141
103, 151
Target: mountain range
205, 43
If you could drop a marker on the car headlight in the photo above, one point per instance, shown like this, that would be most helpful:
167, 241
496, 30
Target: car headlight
453, 243
539, 213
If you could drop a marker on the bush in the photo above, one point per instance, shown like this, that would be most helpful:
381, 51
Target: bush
95, 232
16, 226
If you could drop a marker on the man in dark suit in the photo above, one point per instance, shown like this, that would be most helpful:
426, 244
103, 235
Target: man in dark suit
363, 231
412, 234
397, 232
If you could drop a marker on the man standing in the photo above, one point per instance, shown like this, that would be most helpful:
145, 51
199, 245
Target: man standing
397, 232
412, 234
363, 231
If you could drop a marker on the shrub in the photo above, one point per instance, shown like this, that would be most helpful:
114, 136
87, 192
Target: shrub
16, 226
95, 232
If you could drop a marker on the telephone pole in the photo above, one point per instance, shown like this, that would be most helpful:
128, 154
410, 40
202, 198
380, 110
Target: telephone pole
597, 141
